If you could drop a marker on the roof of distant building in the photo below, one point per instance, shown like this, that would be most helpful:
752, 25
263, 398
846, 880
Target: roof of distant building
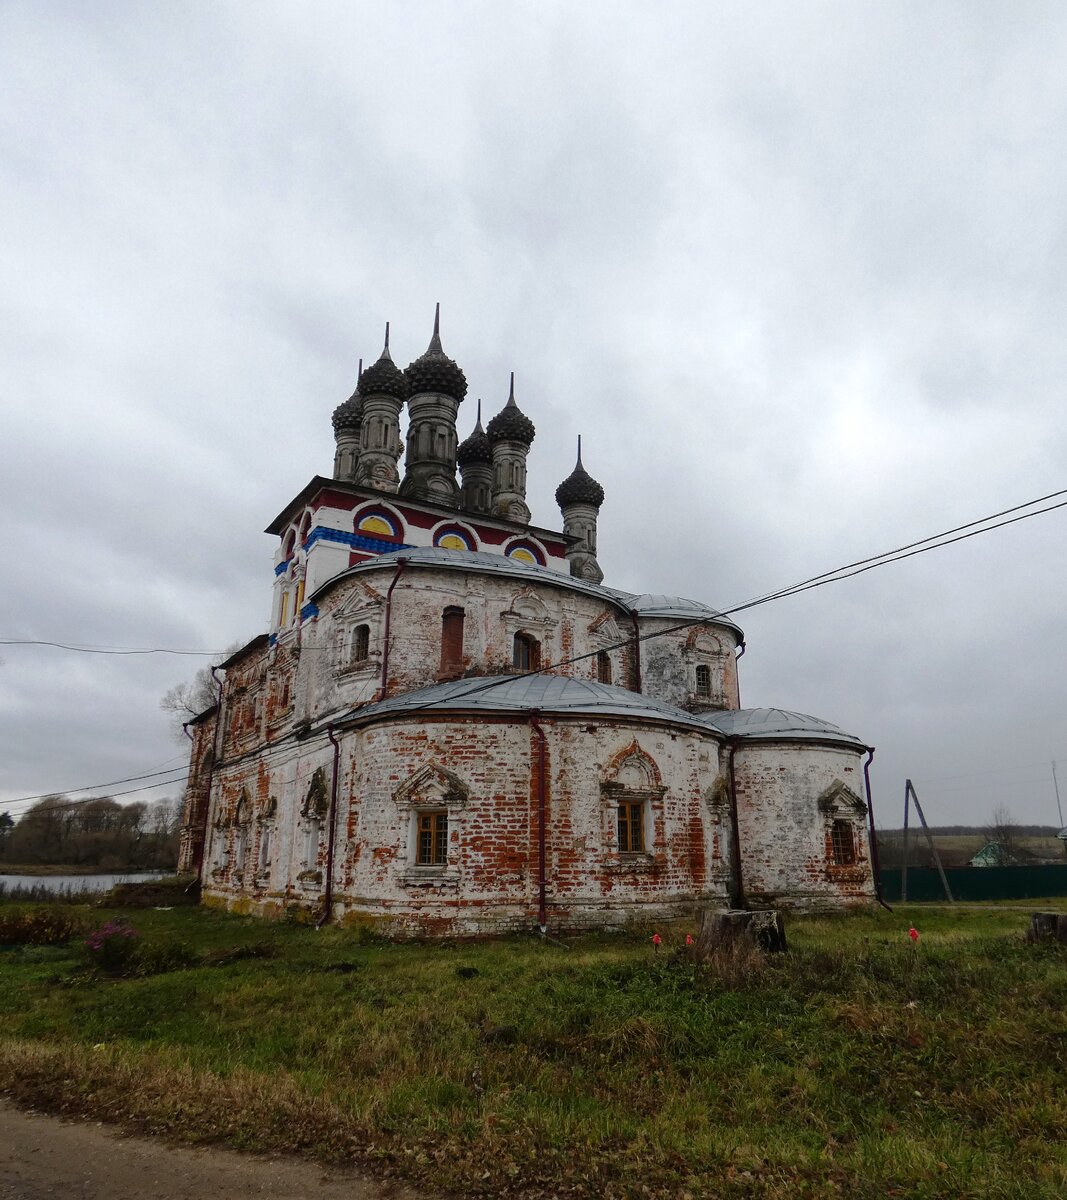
778, 724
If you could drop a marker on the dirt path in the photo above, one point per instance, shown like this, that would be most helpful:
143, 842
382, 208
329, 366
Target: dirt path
43, 1157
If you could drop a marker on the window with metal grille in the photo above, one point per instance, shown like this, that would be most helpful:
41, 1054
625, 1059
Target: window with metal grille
432, 848
452, 642
526, 653
631, 827
703, 680
603, 667
360, 644
844, 843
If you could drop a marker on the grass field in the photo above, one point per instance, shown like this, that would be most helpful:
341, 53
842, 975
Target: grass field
855, 1065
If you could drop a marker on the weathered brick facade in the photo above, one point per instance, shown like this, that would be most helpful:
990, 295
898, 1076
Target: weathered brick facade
446, 733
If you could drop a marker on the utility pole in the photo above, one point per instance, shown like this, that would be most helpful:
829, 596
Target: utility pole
1059, 807
910, 795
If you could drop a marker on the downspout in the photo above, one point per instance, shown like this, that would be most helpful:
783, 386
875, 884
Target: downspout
874, 836
198, 854
219, 732
737, 674
637, 651
735, 832
327, 899
542, 821
401, 563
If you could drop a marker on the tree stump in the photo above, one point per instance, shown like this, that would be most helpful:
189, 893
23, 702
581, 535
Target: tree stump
761, 927
1047, 927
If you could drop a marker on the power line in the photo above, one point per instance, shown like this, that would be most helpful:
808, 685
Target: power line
106, 649
64, 805
849, 570
92, 787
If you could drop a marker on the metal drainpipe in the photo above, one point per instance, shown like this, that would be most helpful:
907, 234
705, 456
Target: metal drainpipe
637, 652
401, 563
735, 831
737, 674
327, 901
219, 731
542, 820
198, 856
874, 836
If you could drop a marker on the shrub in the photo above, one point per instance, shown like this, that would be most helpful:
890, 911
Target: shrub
113, 947
156, 958
39, 926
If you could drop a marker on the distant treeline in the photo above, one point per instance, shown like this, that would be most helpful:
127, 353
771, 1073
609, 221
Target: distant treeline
92, 833
985, 831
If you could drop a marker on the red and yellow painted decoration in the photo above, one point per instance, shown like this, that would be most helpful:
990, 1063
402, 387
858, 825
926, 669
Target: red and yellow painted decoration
375, 522
526, 552
454, 537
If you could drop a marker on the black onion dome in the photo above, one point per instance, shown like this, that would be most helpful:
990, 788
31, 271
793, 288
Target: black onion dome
579, 487
434, 371
384, 377
348, 417
477, 448
511, 424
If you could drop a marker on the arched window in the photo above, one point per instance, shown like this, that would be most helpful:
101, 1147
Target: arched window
360, 651
526, 653
704, 680
452, 642
603, 667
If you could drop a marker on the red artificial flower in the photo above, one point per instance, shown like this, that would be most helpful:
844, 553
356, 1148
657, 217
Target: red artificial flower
688, 939
656, 939
913, 933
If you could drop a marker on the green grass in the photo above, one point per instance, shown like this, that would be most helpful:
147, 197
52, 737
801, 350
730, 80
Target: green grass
855, 1065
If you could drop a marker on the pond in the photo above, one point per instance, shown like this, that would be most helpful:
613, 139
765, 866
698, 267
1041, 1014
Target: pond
99, 882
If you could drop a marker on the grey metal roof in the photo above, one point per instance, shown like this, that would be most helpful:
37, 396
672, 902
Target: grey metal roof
777, 724
500, 564
517, 693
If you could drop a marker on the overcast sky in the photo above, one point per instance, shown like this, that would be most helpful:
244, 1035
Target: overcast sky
796, 272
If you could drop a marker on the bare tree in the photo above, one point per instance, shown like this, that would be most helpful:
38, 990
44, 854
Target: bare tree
1003, 833
189, 699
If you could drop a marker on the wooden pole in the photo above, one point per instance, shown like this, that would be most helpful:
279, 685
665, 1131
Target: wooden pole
930, 842
904, 868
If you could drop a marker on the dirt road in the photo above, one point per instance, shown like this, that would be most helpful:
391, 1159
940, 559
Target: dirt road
43, 1157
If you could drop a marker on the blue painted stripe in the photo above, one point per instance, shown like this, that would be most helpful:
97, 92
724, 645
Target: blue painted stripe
309, 611
282, 567
358, 541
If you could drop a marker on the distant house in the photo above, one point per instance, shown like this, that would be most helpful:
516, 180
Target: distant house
995, 854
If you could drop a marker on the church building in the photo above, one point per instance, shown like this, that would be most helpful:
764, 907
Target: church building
453, 726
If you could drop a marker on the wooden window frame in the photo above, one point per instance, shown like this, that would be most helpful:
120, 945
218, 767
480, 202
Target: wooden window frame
703, 681
431, 837
526, 647
631, 826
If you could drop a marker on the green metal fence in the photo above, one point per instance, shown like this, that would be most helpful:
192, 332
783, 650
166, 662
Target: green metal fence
979, 883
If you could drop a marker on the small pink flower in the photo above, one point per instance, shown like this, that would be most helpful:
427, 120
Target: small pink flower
688, 939
656, 939
913, 933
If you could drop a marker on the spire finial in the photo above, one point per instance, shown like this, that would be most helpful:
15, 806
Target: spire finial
360, 373
478, 423
579, 450
511, 392
435, 341
387, 335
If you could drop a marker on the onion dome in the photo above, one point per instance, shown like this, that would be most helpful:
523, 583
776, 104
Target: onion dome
579, 487
511, 424
384, 377
477, 448
434, 371
348, 417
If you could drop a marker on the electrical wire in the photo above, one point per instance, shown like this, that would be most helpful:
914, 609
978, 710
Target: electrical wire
106, 649
847, 571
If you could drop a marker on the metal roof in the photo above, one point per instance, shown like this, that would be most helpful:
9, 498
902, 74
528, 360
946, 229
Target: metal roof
777, 724
500, 564
519, 693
